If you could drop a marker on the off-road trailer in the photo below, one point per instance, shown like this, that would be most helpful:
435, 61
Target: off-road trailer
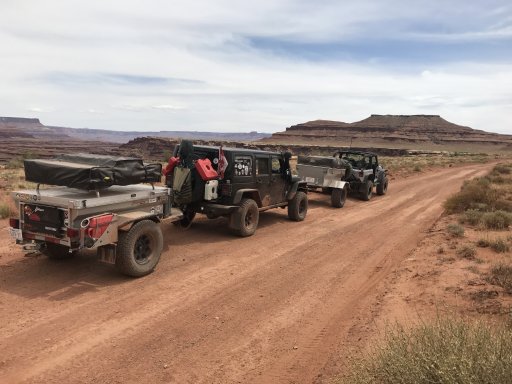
326, 175
96, 203
121, 223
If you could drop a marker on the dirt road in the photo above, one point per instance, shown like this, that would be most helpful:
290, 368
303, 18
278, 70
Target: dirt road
278, 307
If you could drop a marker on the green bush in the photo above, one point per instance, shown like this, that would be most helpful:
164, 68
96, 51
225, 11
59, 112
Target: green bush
467, 252
447, 351
501, 275
496, 220
483, 243
504, 169
499, 246
472, 194
4, 211
471, 217
455, 230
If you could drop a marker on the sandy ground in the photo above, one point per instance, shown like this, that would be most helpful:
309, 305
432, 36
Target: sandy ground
283, 306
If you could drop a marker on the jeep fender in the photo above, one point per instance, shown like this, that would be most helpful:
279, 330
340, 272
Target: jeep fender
296, 186
248, 193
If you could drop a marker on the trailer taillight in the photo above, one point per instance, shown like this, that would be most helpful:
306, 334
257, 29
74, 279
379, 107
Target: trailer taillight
14, 223
72, 233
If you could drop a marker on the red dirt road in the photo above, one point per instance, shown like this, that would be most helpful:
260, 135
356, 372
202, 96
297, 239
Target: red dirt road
279, 307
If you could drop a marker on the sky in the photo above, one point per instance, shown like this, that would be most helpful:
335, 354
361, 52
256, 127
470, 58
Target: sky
239, 66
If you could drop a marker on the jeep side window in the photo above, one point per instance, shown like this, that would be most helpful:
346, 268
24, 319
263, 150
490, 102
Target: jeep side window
242, 166
276, 165
262, 166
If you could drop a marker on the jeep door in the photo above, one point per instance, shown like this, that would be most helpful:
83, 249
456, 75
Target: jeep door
263, 178
277, 180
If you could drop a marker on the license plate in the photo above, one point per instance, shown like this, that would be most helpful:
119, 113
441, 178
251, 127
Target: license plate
15, 233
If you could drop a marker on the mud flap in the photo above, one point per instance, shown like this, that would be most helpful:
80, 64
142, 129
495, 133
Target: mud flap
107, 253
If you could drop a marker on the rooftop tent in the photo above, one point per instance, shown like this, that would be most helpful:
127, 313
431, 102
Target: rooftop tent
89, 171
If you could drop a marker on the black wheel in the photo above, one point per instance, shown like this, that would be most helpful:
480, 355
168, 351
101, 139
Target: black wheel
367, 191
338, 197
139, 249
56, 251
298, 207
245, 220
382, 187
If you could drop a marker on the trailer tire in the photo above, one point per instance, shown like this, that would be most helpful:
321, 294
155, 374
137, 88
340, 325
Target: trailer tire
367, 192
298, 207
57, 251
139, 249
245, 220
338, 197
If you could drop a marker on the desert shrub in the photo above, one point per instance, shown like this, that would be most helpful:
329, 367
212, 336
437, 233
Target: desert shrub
501, 275
467, 251
447, 351
14, 163
4, 211
455, 230
504, 169
472, 193
503, 205
496, 220
483, 243
417, 168
471, 217
499, 246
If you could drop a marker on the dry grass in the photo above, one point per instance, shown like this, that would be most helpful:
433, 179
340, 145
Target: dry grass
501, 275
455, 230
447, 351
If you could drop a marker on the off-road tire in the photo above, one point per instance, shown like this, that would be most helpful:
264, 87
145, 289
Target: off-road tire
338, 197
368, 191
139, 249
245, 219
298, 207
382, 187
57, 251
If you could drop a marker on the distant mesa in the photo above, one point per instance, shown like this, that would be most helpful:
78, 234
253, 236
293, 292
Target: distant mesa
399, 131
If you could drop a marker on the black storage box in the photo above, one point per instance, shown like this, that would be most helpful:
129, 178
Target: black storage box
88, 171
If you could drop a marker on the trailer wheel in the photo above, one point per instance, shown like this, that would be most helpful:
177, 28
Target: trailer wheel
245, 220
57, 251
382, 187
338, 197
298, 207
139, 249
367, 191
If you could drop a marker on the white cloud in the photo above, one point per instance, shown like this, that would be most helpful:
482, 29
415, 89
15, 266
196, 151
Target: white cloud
135, 61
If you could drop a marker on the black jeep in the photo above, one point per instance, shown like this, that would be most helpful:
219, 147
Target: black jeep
252, 181
366, 173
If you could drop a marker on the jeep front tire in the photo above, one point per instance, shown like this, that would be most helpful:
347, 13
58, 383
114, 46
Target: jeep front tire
298, 207
245, 220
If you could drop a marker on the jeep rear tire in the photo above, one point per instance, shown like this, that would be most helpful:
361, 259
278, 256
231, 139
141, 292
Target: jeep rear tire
56, 251
298, 207
367, 192
245, 219
382, 187
139, 249
338, 197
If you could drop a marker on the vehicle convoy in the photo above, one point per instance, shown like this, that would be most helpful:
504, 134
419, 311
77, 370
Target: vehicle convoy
99, 203
327, 174
366, 173
235, 183
96, 205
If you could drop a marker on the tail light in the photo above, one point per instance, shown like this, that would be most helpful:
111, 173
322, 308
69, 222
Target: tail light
14, 223
72, 233
95, 226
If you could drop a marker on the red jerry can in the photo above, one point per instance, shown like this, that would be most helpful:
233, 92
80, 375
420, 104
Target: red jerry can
205, 169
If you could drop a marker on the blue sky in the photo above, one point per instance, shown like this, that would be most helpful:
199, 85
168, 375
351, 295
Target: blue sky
233, 66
